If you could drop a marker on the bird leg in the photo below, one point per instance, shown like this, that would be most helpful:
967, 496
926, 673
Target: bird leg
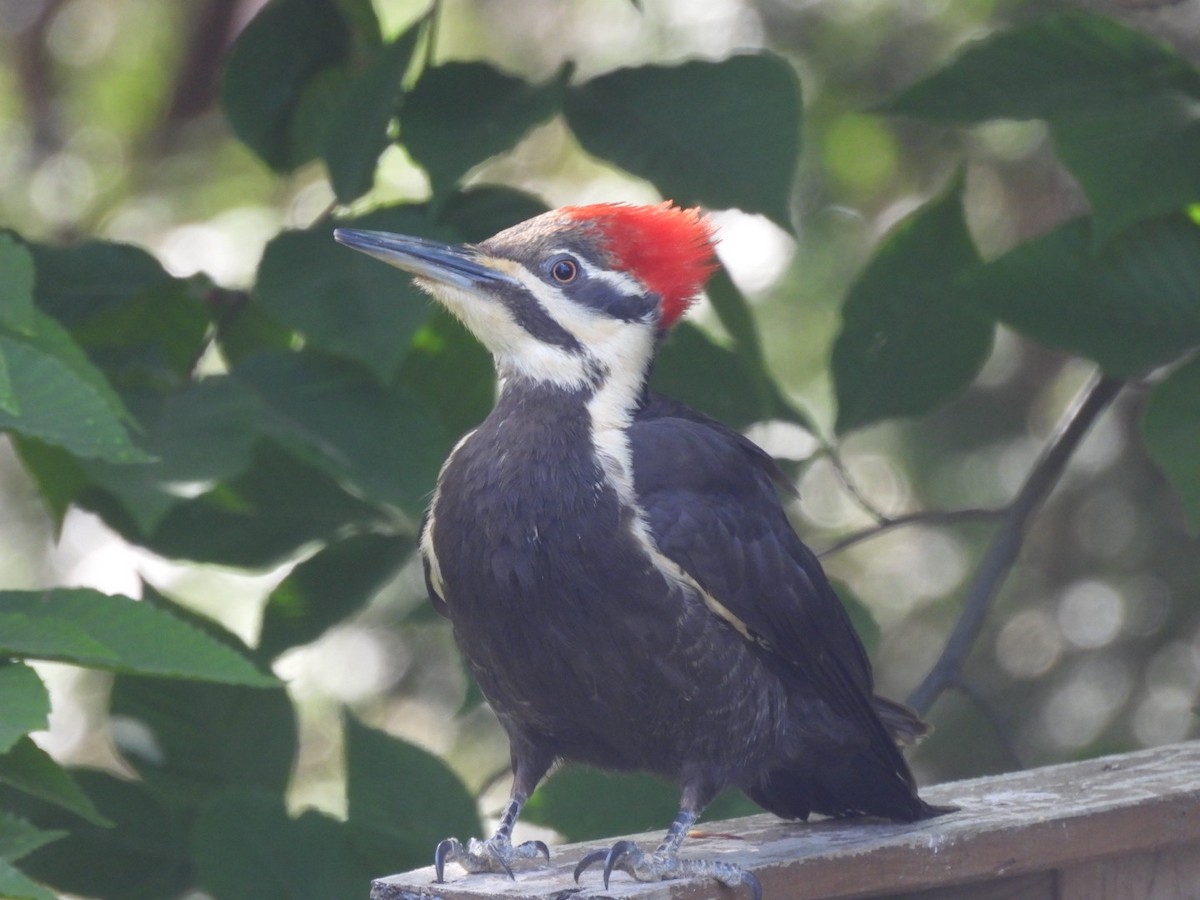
496, 854
664, 863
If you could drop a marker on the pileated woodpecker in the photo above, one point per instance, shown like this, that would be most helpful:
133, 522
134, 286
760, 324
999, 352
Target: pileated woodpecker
618, 568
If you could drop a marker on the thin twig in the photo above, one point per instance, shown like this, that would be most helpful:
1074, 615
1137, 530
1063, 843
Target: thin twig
923, 517
1006, 543
835, 460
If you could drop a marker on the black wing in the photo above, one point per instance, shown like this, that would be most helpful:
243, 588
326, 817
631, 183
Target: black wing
713, 506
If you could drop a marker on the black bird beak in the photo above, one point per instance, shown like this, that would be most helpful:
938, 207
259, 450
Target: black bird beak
462, 267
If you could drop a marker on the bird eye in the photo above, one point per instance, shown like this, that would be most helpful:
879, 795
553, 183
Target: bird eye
564, 270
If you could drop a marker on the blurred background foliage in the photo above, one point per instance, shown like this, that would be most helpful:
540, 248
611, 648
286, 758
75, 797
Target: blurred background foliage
913, 304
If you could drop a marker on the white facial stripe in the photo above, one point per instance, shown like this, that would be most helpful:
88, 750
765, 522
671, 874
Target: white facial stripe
625, 284
516, 351
616, 346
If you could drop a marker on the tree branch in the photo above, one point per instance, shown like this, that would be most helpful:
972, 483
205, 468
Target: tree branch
1006, 544
839, 467
923, 517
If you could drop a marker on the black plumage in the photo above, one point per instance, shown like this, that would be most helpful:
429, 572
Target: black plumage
588, 653
619, 569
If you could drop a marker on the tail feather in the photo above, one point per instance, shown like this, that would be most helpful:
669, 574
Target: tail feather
854, 786
902, 722
863, 782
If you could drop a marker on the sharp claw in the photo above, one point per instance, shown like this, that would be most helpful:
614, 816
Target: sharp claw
503, 863
445, 849
591, 859
755, 885
619, 849
540, 847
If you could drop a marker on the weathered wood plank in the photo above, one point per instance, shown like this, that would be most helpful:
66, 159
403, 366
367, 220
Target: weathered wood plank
1167, 875
1009, 828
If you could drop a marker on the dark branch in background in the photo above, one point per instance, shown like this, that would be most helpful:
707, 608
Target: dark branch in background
1006, 544
835, 460
35, 72
194, 86
923, 517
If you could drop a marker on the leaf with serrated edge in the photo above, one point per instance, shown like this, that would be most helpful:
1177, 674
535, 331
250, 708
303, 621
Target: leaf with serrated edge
30, 769
143, 639
1132, 306
19, 837
15, 885
1122, 108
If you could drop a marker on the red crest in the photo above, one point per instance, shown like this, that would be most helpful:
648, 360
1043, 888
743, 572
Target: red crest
666, 248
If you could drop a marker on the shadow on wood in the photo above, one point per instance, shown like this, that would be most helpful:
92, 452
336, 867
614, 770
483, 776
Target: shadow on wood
1119, 828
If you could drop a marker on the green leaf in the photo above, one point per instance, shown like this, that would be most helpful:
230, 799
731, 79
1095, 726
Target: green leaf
909, 340
272, 64
402, 800
37, 637
385, 441
1052, 63
1121, 108
8, 398
478, 213
80, 281
344, 302
136, 322
142, 857
1131, 307
452, 370
246, 847
201, 434
28, 768
14, 885
722, 134
1135, 158
58, 406
583, 803
201, 738
358, 129
18, 838
259, 519
462, 113
24, 702
734, 314
142, 638
59, 476
329, 587
153, 338
16, 285
715, 380
1171, 426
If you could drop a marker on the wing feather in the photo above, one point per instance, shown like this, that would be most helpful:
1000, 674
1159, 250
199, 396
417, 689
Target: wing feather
712, 502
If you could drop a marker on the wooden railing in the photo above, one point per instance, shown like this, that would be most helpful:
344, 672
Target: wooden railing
1119, 828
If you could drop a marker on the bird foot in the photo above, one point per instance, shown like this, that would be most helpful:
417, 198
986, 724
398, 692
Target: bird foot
628, 857
496, 854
